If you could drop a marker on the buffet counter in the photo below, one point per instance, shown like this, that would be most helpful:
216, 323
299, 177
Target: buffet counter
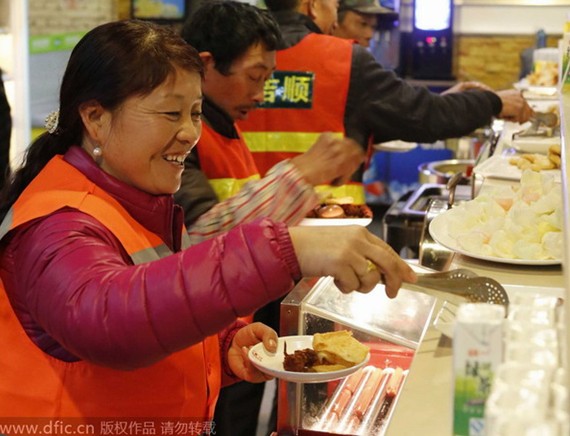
425, 406
426, 403
410, 334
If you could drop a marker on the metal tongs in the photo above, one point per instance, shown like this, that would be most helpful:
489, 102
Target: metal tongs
546, 119
463, 283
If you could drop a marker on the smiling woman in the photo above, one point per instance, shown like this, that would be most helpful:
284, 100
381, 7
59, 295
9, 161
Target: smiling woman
154, 134
106, 308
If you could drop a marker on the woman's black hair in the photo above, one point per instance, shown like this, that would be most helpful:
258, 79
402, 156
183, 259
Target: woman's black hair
111, 63
227, 29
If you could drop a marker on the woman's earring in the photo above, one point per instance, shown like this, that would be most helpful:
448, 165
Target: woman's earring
97, 153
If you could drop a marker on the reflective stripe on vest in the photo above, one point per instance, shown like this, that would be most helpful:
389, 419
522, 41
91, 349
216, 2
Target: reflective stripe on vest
296, 142
226, 162
301, 102
34, 384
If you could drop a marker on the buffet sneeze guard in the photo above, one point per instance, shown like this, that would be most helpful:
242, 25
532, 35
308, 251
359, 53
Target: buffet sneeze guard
392, 328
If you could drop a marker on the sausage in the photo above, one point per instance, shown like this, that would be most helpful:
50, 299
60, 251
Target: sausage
340, 398
367, 393
342, 401
391, 392
353, 380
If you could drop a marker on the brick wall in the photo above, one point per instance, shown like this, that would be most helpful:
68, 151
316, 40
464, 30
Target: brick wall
123, 9
494, 60
47, 17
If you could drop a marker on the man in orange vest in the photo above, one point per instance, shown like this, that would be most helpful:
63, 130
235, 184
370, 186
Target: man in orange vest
374, 104
235, 72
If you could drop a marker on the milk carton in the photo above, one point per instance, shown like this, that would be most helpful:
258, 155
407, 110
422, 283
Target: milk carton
477, 352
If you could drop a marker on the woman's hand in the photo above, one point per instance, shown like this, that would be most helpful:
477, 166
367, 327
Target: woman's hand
356, 258
244, 339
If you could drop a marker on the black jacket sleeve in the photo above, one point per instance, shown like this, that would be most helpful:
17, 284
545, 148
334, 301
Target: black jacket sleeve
195, 195
386, 107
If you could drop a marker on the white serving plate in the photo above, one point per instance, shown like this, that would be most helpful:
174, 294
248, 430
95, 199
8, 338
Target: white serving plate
335, 222
498, 167
438, 229
395, 146
530, 144
272, 363
539, 92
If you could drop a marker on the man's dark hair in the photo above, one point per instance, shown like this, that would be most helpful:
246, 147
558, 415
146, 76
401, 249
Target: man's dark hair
227, 29
282, 5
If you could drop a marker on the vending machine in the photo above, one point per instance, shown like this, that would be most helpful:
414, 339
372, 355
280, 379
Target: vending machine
431, 40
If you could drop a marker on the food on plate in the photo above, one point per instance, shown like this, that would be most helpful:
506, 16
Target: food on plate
300, 360
331, 351
513, 222
539, 162
535, 162
547, 75
343, 207
555, 154
340, 348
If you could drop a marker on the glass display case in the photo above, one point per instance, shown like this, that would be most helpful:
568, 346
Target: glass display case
362, 403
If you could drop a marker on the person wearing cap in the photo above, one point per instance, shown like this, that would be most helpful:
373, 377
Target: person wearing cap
348, 90
358, 19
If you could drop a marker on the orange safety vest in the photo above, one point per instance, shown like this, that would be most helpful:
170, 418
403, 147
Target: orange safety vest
302, 100
34, 384
227, 162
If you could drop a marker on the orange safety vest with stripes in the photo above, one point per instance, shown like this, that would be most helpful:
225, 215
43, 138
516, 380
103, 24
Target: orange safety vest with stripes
302, 100
33, 384
227, 162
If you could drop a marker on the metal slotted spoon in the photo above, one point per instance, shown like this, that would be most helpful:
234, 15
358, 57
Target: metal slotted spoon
463, 283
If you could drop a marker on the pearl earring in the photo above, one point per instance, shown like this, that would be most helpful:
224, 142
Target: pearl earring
97, 155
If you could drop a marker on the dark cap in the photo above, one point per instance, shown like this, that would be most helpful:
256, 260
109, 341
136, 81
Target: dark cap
364, 7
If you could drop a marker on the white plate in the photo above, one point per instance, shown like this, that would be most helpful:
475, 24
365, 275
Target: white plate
533, 91
272, 363
335, 222
395, 146
530, 144
438, 230
498, 167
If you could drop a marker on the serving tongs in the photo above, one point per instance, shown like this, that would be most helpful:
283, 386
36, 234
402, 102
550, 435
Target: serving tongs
547, 119
462, 283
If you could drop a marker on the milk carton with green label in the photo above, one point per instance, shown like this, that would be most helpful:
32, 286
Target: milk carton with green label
477, 353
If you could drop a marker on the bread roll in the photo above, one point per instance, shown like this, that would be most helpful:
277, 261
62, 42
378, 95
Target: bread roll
555, 149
